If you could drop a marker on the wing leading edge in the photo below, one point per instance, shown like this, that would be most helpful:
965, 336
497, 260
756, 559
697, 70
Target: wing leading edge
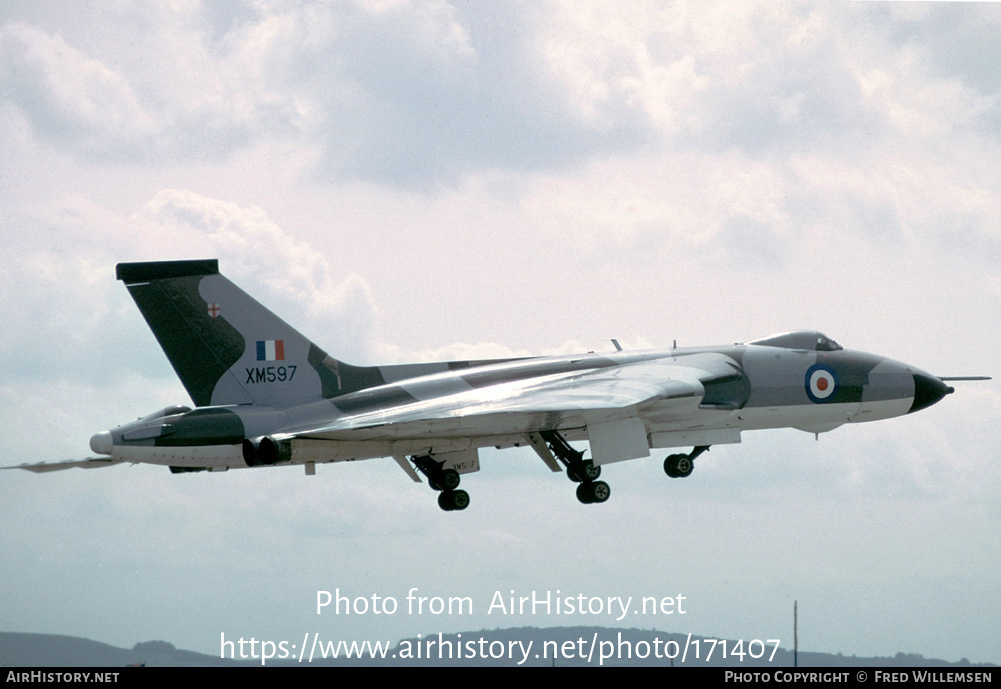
607, 400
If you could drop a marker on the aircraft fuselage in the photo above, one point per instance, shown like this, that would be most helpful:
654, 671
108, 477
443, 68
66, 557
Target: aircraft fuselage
770, 387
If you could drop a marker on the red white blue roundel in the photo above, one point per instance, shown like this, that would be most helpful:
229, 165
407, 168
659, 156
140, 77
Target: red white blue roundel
821, 383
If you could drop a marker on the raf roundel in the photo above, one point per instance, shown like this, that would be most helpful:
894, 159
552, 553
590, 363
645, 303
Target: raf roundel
821, 384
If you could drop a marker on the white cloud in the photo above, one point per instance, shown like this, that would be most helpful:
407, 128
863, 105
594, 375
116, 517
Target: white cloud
71, 97
289, 276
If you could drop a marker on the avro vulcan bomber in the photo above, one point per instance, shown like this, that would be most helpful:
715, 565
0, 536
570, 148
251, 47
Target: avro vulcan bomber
265, 396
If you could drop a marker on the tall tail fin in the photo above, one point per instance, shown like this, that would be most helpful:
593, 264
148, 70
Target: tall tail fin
225, 346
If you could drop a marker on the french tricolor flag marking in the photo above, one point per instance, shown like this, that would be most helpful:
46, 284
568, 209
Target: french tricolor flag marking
271, 350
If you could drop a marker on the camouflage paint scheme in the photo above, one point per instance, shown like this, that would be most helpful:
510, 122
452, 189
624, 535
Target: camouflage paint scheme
265, 395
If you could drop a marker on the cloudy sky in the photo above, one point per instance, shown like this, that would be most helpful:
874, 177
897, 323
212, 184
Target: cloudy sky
414, 181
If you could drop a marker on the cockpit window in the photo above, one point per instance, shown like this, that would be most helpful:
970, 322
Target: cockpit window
810, 340
826, 344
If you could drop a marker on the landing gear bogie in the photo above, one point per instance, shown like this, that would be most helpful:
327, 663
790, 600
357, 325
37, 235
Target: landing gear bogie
579, 470
445, 481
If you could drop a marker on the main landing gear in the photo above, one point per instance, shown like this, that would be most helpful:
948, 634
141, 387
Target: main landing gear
680, 466
444, 480
579, 470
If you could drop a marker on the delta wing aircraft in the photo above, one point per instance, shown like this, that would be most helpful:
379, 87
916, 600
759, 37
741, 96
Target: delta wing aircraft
266, 396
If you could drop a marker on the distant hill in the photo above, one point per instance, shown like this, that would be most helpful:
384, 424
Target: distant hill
52, 650
55, 650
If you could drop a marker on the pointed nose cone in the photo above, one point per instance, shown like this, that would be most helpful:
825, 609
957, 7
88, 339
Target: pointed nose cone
927, 391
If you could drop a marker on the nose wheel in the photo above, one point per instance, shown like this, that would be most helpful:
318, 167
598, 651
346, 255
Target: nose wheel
681, 466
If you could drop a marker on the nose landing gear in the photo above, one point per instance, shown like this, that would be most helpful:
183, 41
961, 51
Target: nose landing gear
680, 466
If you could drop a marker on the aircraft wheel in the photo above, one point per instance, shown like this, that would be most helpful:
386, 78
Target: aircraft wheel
450, 479
453, 500
460, 499
588, 468
597, 491
684, 467
678, 466
669, 463
600, 491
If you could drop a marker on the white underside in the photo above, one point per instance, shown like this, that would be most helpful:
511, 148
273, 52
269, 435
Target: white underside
722, 427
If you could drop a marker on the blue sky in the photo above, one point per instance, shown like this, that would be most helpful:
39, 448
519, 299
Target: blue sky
412, 181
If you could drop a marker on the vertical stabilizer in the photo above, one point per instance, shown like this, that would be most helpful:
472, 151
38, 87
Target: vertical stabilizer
225, 346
